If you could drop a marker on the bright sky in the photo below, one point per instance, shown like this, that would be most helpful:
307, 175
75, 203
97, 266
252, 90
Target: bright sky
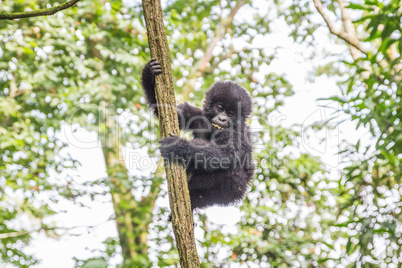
302, 108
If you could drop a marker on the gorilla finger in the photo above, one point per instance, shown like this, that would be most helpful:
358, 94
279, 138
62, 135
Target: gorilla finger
157, 71
154, 67
154, 63
171, 134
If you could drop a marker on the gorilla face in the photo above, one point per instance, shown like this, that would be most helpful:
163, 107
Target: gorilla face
222, 117
226, 105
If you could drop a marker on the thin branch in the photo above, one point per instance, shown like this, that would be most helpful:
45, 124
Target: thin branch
16, 234
36, 13
341, 34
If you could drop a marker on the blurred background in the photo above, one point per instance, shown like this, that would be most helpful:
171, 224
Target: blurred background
81, 181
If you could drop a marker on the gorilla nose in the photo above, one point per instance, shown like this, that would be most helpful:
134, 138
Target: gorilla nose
222, 119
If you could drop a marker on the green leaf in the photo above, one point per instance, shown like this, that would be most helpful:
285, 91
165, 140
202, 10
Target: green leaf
95, 263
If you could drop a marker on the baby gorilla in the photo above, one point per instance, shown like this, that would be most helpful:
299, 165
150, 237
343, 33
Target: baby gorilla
218, 160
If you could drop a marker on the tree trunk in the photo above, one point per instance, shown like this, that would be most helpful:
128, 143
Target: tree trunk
132, 217
182, 218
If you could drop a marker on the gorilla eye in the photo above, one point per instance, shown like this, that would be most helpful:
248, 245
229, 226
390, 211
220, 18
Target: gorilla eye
230, 113
219, 107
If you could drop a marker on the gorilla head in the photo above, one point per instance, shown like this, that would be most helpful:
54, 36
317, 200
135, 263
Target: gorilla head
227, 105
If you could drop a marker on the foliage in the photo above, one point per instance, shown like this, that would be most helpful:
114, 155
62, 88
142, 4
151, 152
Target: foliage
68, 69
81, 67
57, 71
373, 101
369, 195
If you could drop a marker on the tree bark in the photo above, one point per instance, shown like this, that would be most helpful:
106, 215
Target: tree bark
182, 218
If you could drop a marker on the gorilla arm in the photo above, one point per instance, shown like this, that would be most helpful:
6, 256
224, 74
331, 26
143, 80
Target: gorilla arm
198, 154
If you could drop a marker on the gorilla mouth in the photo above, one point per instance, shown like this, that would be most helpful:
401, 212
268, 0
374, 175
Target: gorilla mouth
217, 126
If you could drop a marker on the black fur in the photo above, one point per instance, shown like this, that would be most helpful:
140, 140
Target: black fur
218, 160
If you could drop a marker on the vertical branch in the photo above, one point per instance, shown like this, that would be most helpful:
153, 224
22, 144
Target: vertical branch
114, 160
179, 197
